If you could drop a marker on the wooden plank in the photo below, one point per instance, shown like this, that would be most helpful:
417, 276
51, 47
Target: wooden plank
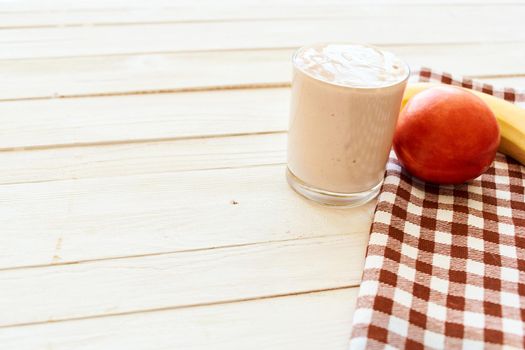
35, 13
310, 321
205, 70
68, 221
180, 280
141, 117
422, 26
142, 158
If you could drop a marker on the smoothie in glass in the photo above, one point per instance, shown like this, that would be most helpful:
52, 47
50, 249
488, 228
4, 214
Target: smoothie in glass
344, 108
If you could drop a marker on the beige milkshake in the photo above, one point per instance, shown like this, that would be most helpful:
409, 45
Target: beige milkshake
345, 104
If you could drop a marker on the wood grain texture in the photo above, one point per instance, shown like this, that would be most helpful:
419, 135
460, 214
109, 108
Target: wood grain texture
421, 26
33, 13
47, 78
311, 321
142, 117
180, 279
126, 159
106, 217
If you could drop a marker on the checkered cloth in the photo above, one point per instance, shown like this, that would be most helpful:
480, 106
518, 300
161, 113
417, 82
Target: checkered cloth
445, 266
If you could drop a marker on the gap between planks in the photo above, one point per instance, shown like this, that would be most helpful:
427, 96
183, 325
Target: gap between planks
210, 88
168, 22
159, 91
183, 251
182, 307
134, 141
388, 45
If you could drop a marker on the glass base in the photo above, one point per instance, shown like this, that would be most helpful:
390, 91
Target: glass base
343, 200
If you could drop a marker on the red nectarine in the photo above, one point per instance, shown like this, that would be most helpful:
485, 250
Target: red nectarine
446, 135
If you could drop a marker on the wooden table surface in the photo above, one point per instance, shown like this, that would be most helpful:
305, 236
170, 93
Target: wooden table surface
143, 203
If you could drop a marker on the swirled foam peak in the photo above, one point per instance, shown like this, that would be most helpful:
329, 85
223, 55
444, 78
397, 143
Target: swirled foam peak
351, 65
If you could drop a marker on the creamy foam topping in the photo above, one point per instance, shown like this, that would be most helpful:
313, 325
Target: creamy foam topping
351, 65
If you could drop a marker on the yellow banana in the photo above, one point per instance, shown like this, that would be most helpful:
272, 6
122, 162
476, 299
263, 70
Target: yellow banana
511, 120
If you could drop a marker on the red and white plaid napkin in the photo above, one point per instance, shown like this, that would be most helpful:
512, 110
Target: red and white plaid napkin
445, 266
